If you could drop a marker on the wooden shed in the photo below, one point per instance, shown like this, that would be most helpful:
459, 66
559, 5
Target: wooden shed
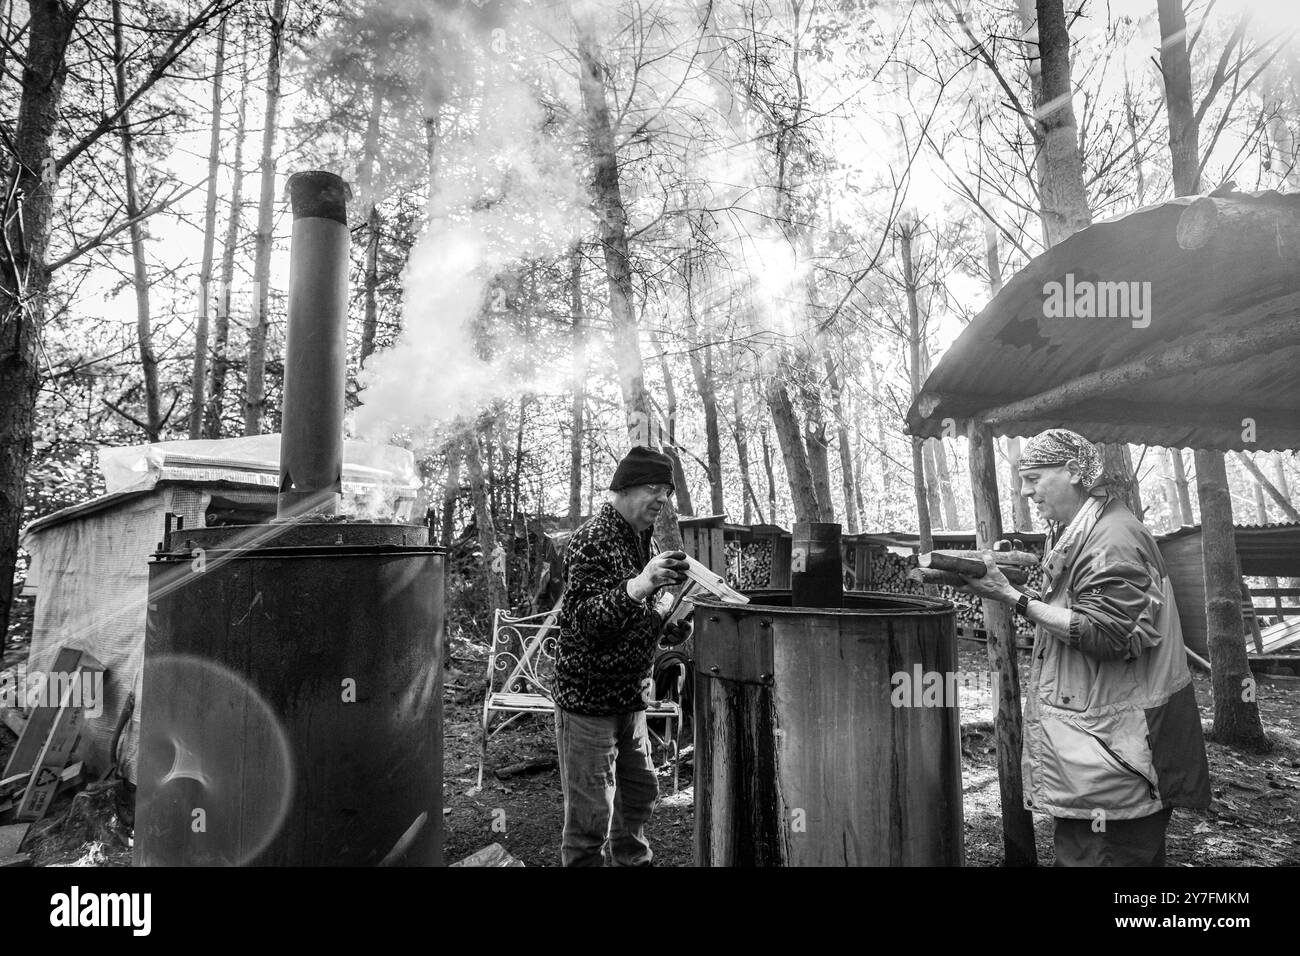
1264, 551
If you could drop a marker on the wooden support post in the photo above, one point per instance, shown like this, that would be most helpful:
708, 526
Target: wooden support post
1236, 714
1017, 824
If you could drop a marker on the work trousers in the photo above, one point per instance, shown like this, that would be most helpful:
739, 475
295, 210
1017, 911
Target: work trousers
1139, 842
609, 788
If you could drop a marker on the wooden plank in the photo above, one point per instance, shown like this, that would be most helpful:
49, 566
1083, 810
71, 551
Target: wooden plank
11, 785
1279, 636
54, 756
41, 719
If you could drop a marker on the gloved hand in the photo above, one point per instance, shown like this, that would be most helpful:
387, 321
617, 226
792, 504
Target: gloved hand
663, 570
677, 632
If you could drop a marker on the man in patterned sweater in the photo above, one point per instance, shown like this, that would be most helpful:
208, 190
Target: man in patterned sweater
609, 626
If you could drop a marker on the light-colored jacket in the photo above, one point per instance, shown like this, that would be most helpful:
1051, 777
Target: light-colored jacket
1111, 722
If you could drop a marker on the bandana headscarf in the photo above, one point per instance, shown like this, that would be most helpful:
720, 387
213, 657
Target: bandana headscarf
1056, 446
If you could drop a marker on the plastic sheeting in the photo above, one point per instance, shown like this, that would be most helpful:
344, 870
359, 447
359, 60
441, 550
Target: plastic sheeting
379, 481
92, 594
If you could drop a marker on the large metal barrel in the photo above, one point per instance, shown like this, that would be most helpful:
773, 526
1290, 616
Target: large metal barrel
813, 747
291, 708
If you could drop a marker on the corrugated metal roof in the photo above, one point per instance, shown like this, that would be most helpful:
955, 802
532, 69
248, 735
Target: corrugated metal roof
1276, 526
1012, 350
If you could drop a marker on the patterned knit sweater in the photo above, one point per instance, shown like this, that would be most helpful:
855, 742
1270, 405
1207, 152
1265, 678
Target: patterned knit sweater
607, 638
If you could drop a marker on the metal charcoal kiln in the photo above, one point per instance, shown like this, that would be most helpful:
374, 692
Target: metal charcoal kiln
802, 757
292, 698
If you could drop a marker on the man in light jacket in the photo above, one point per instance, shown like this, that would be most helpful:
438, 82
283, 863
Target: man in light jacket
1112, 735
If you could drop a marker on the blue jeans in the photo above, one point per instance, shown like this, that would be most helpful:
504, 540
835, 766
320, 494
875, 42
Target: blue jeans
609, 787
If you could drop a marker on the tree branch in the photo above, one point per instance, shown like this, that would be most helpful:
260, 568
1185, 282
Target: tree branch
180, 43
109, 232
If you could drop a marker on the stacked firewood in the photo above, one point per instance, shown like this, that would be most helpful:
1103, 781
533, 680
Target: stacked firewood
889, 572
749, 566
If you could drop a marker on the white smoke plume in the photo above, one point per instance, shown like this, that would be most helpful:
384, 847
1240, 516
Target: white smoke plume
505, 189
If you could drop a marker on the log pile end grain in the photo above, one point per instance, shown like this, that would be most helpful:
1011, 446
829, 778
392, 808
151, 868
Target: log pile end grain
749, 566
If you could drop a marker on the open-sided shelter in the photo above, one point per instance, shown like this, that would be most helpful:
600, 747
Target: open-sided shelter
1177, 324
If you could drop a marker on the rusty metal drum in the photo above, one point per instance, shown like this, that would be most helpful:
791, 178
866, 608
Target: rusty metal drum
809, 749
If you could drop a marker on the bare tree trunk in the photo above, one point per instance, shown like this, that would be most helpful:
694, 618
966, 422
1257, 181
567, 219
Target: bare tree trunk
771, 478
684, 504
1020, 518
1279, 471
817, 444
905, 232
1130, 118
579, 404
932, 503
851, 511
6, 23
225, 292
1180, 481
1118, 465
199, 372
742, 452
494, 590
1281, 475
152, 423
924, 533
857, 463
450, 492
880, 433
1176, 517
1261, 506
1262, 484
803, 492
1176, 68
1064, 198
370, 201
950, 517
25, 220
1236, 721
701, 358
612, 216
255, 386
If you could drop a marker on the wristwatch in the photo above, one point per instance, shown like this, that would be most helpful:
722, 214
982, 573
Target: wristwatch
1022, 605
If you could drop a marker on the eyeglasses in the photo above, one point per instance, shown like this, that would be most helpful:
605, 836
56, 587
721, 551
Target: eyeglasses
658, 490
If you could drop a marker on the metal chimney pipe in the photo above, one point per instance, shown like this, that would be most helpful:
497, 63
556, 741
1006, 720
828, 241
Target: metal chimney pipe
315, 366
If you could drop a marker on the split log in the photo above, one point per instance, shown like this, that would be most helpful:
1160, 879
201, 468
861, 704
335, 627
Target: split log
974, 567
954, 580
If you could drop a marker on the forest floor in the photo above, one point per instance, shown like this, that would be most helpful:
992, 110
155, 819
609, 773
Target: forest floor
1254, 819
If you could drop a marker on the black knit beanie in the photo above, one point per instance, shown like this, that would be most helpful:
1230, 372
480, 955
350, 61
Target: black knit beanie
642, 466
